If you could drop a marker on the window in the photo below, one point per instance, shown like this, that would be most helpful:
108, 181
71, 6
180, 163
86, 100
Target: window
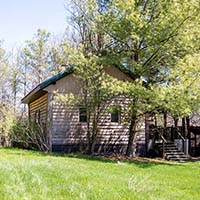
37, 116
115, 114
82, 115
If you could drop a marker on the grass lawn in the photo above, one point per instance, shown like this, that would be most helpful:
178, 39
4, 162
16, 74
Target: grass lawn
33, 175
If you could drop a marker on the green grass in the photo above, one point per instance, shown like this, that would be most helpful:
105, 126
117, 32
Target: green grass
33, 175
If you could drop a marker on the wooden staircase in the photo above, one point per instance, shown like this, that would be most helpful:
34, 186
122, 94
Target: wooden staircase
172, 153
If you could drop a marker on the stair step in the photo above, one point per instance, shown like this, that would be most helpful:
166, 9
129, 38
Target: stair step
177, 160
176, 157
172, 153
170, 146
167, 145
176, 154
171, 149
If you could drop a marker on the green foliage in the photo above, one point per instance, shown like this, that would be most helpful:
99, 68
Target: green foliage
7, 119
97, 88
151, 36
180, 96
158, 41
67, 99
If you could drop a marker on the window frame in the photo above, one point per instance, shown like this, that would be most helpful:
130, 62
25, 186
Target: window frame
83, 114
115, 114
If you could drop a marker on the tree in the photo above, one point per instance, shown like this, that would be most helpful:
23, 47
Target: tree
36, 54
181, 96
97, 90
6, 105
85, 56
150, 38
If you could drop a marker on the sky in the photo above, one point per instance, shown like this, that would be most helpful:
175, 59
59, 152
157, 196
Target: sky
20, 19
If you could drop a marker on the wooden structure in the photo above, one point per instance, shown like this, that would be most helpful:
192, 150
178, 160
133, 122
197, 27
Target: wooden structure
66, 129
65, 125
184, 134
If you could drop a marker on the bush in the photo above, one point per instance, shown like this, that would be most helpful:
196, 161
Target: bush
29, 135
7, 119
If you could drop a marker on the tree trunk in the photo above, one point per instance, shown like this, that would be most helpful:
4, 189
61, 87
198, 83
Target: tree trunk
176, 127
88, 146
184, 126
14, 93
176, 122
132, 132
94, 134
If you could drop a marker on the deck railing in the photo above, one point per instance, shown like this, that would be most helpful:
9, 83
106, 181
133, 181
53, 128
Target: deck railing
169, 134
164, 141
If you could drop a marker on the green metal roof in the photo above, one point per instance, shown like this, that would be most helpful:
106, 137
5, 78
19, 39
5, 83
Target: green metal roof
61, 75
57, 77
46, 83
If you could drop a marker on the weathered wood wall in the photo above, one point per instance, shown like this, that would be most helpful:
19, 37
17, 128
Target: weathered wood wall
66, 130
41, 105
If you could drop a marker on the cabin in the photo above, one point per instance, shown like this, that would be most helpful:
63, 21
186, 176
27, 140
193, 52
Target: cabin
66, 128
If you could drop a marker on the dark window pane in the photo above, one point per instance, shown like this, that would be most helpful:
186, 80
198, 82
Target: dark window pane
37, 116
82, 115
115, 114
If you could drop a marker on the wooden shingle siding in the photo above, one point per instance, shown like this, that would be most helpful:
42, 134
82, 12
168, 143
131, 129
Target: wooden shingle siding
66, 128
41, 105
62, 124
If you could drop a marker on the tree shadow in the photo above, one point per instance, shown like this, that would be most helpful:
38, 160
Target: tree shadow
140, 162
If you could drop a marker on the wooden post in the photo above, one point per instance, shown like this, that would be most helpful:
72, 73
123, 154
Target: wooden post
163, 146
187, 133
165, 119
187, 127
176, 127
184, 126
165, 122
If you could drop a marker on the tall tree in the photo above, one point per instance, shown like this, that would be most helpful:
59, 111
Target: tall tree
36, 54
6, 104
150, 37
97, 89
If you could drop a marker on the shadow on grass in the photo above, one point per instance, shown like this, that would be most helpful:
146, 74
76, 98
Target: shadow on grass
140, 162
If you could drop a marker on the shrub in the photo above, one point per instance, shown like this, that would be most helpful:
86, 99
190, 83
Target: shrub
30, 135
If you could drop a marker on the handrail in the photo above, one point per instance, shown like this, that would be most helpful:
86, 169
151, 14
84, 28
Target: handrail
163, 139
161, 131
183, 139
179, 133
163, 145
